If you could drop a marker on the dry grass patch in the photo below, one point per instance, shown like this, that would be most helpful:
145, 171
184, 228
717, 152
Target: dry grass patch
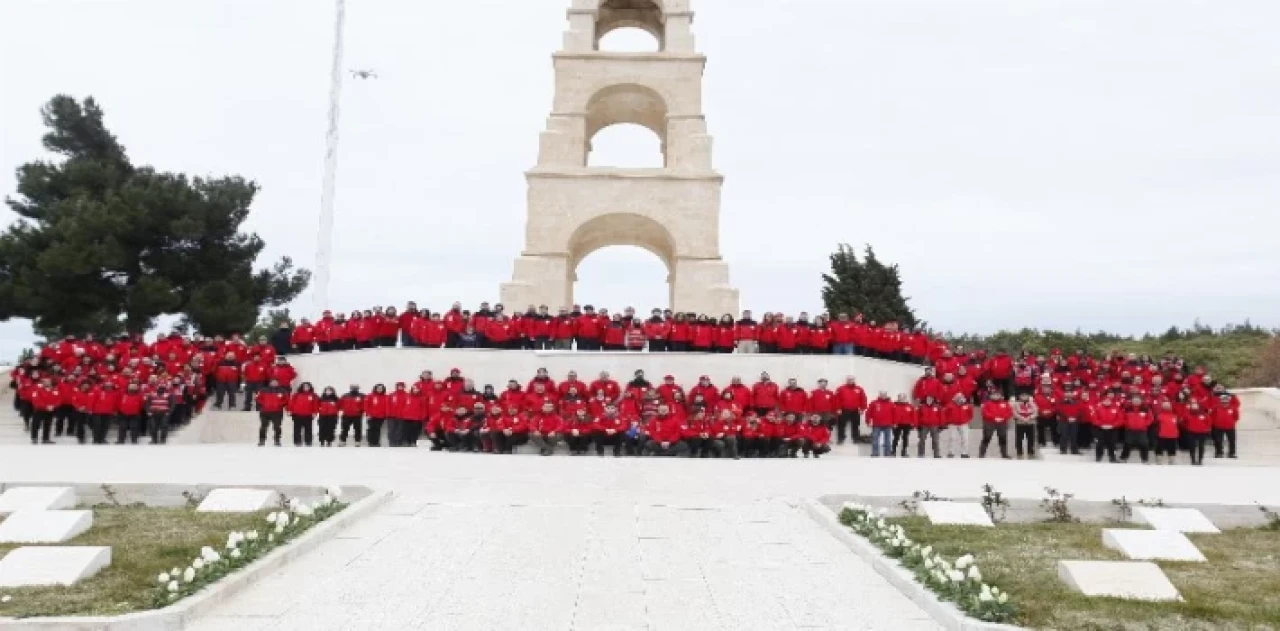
1239, 588
145, 542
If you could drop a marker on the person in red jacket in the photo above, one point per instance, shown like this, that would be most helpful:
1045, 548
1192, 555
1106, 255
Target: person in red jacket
587, 330
1166, 433
725, 335
930, 426
747, 333
793, 399
1198, 425
376, 412
131, 415
817, 437
227, 379
996, 413
1137, 418
1106, 421
327, 413
303, 407
880, 416
105, 406
254, 373
546, 428
681, 334
927, 386
764, 395
905, 421
396, 402
822, 401
303, 337
1070, 417
665, 433
351, 409
272, 402
414, 413
1224, 416
851, 402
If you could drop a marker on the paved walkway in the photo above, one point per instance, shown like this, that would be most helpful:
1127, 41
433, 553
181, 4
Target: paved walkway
479, 541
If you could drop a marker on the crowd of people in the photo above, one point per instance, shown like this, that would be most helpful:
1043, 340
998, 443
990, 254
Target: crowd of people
588, 329
83, 388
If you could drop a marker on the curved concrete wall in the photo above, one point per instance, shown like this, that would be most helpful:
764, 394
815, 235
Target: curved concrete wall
389, 365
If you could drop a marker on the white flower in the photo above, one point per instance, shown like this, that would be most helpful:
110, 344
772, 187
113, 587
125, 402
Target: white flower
964, 561
294, 503
270, 537
175, 572
956, 576
189, 575
928, 563
974, 574
279, 529
986, 597
198, 564
995, 590
213, 558
335, 492
163, 578
271, 517
6, 598
282, 519
304, 510
235, 554
1002, 598
927, 550
173, 586
252, 536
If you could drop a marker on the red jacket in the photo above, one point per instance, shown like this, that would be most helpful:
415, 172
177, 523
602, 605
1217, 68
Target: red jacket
283, 374
304, 404
1106, 416
659, 330
271, 401
665, 430
549, 423
105, 401
931, 416
1167, 424
1197, 422
414, 408
794, 400
1224, 417
1137, 420
996, 412
927, 387
905, 414
851, 398
821, 401
818, 434
588, 326
958, 415
880, 413
351, 404
375, 405
765, 394
746, 331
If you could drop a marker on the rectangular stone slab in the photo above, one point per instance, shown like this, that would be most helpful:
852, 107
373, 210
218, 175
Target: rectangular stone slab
45, 526
238, 501
956, 513
1175, 519
37, 498
1132, 580
35, 566
1152, 545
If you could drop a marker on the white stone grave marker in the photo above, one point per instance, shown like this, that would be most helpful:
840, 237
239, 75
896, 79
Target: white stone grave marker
1133, 580
1176, 519
237, 501
1152, 545
45, 526
956, 513
52, 565
37, 498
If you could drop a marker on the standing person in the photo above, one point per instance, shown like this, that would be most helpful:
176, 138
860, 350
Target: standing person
1198, 424
272, 401
747, 333
764, 395
375, 408
45, 399
328, 413
1225, 414
1166, 433
227, 379
414, 414
132, 419
254, 373
303, 406
1047, 410
159, 405
351, 406
1136, 421
396, 402
930, 426
957, 415
999, 369
996, 413
822, 401
767, 334
904, 424
657, 330
1025, 416
880, 417
302, 338
681, 334
106, 404
851, 401
1070, 415
1107, 419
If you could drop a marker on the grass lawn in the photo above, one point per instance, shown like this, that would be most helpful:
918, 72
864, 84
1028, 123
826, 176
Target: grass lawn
145, 542
1239, 588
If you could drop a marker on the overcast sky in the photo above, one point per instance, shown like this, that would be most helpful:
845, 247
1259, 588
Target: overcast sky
1050, 163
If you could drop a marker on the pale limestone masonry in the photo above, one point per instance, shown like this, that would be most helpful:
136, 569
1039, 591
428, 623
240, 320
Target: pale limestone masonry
673, 212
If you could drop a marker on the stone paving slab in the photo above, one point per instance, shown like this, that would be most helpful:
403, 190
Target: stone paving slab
45, 526
1152, 545
956, 513
1131, 580
37, 498
33, 566
238, 501
1175, 519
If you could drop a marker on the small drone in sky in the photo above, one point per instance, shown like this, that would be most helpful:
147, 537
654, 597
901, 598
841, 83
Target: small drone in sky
364, 74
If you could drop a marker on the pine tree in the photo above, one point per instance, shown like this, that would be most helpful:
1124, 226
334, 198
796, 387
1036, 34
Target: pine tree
103, 246
868, 287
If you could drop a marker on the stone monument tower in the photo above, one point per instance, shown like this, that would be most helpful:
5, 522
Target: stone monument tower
673, 211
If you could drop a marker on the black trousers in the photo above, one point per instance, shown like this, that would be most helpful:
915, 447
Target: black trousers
349, 423
1047, 427
225, 390
1027, 433
78, 425
849, 419
1067, 436
131, 425
901, 433
41, 423
811, 448
1001, 432
505, 444
578, 444
269, 419
61, 419
655, 448
603, 440
158, 427
657, 346
394, 431
697, 447
328, 428
1106, 441
374, 433
461, 442
1198, 441
1135, 439
302, 428
410, 432
1166, 447
1223, 437
304, 349
101, 423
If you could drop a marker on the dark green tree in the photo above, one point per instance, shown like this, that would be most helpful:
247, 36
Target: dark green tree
103, 246
868, 287
269, 323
